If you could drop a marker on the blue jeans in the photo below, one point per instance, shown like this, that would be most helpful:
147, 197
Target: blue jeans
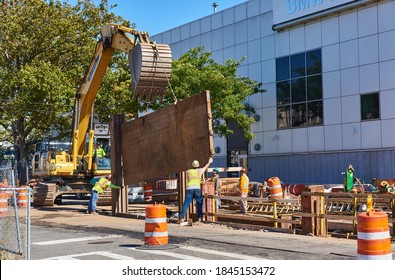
93, 201
189, 196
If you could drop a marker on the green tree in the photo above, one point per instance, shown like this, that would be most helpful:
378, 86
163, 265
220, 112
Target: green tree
46, 47
196, 71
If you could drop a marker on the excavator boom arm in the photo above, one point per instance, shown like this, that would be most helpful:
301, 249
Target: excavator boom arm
150, 66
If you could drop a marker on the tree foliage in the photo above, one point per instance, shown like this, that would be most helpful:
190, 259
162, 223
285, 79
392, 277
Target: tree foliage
46, 48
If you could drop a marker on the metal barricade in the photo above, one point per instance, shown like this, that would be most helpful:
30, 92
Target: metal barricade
166, 189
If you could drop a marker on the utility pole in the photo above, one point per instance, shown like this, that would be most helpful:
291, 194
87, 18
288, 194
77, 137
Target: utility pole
215, 5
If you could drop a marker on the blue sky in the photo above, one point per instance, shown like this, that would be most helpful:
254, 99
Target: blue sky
156, 16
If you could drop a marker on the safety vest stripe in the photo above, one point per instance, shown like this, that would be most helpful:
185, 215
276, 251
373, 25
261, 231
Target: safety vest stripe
155, 234
373, 235
155, 220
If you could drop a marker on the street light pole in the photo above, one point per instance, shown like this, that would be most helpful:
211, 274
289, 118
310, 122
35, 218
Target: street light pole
215, 5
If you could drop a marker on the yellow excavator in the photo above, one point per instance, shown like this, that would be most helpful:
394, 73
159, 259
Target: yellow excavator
69, 171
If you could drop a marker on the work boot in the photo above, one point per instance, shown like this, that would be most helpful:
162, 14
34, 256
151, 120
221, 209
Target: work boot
94, 213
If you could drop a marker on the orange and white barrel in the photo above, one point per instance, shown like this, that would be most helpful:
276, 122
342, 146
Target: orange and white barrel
374, 241
3, 205
8, 188
275, 189
22, 197
9, 192
295, 189
155, 225
147, 191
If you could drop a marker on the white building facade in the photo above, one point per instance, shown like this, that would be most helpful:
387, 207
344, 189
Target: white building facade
328, 68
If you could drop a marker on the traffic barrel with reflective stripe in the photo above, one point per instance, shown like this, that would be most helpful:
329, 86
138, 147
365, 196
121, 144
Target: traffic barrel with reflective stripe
374, 241
295, 189
155, 225
147, 191
275, 188
3, 205
22, 197
8, 188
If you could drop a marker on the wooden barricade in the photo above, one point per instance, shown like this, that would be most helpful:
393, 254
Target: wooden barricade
342, 208
209, 205
262, 212
315, 205
315, 213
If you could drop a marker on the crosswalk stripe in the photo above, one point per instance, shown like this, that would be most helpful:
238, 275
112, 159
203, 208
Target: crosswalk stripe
100, 253
225, 254
70, 240
169, 254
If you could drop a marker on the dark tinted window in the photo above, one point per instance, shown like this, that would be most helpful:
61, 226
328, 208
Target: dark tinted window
315, 113
283, 93
299, 90
314, 87
282, 68
298, 65
283, 116
313, 62
299, 115
370, 106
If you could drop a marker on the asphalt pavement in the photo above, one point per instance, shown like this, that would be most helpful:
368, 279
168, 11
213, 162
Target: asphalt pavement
74, 216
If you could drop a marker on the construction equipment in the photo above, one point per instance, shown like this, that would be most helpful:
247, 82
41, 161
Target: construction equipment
70, 171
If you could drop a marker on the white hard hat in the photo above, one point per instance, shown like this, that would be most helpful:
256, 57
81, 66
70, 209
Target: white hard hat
195, 163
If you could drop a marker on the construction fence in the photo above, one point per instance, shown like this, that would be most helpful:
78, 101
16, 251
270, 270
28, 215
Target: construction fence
15, 223
14, 215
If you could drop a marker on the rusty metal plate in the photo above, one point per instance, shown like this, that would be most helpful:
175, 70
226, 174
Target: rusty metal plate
168, 140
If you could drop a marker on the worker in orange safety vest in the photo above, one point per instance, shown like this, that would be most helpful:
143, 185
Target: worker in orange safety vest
244, 182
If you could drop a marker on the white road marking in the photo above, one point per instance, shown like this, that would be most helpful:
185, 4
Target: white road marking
225, 254
100, 253
168, 254
70, 240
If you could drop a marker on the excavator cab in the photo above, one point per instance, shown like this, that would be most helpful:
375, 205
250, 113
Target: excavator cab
102, 154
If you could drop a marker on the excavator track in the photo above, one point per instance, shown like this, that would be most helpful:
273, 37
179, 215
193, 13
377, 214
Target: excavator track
44, 194
49, 193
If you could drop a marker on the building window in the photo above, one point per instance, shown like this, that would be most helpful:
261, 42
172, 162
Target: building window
370, 106
299, 90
